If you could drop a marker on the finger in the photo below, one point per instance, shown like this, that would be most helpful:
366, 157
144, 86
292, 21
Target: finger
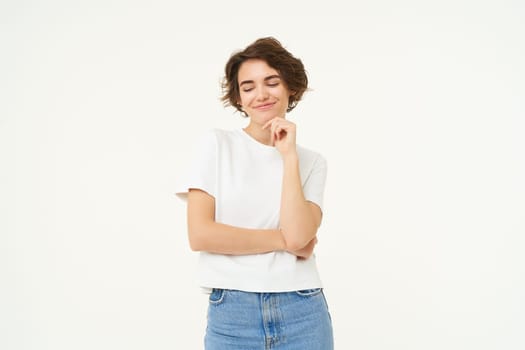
280, 132
278, 129
272, 135
268, 123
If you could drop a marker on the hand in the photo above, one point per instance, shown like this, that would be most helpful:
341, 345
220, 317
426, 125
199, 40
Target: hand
306, 251
282, 134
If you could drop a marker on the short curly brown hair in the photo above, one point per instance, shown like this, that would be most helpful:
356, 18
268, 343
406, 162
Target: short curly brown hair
271, 51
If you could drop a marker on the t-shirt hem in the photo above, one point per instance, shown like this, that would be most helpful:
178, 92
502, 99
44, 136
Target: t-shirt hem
207, 288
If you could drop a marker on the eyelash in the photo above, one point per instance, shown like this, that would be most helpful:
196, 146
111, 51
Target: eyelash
270, 85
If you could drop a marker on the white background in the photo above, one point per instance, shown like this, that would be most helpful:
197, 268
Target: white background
417, 106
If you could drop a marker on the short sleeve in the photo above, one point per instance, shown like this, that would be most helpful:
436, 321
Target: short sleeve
202, 171
314, 185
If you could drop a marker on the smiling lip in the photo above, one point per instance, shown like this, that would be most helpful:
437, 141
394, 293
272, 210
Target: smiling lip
265, 106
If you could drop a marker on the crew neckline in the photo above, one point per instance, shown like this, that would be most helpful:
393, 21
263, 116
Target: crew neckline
256, 142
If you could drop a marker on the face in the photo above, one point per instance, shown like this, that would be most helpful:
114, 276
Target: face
263, 94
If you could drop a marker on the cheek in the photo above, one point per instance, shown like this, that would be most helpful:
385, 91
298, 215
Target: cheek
240, 99
245, 98
283, 93
285, 96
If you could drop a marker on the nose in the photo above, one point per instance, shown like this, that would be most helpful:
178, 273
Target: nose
262, 94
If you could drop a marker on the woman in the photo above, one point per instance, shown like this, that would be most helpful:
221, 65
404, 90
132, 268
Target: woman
254, 207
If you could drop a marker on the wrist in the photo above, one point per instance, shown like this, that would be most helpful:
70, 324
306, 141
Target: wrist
291, 156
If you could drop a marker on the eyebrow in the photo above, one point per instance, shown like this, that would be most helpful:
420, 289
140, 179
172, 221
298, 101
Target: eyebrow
265, 79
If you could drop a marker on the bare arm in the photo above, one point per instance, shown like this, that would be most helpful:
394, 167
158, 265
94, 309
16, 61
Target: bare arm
306, 251
299, 218
207, 235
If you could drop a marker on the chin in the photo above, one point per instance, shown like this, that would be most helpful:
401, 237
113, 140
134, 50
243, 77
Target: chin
272, 114
262, 117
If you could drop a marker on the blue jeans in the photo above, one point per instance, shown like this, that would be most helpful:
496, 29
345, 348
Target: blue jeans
249, 321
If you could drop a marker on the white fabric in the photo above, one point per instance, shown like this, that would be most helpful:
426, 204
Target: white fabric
245, 178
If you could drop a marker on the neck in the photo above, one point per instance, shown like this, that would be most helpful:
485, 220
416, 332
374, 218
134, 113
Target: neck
256, 131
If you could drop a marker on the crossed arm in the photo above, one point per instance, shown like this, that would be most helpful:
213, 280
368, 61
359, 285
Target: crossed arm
299, 222
299, 218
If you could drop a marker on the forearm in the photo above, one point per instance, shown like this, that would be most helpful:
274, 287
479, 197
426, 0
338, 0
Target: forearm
219, 238
205, 234
297, 223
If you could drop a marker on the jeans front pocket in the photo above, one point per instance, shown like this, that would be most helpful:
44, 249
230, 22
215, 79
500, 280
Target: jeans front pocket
216, 296
309, 292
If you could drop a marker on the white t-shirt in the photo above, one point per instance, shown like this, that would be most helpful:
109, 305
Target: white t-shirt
245, 178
